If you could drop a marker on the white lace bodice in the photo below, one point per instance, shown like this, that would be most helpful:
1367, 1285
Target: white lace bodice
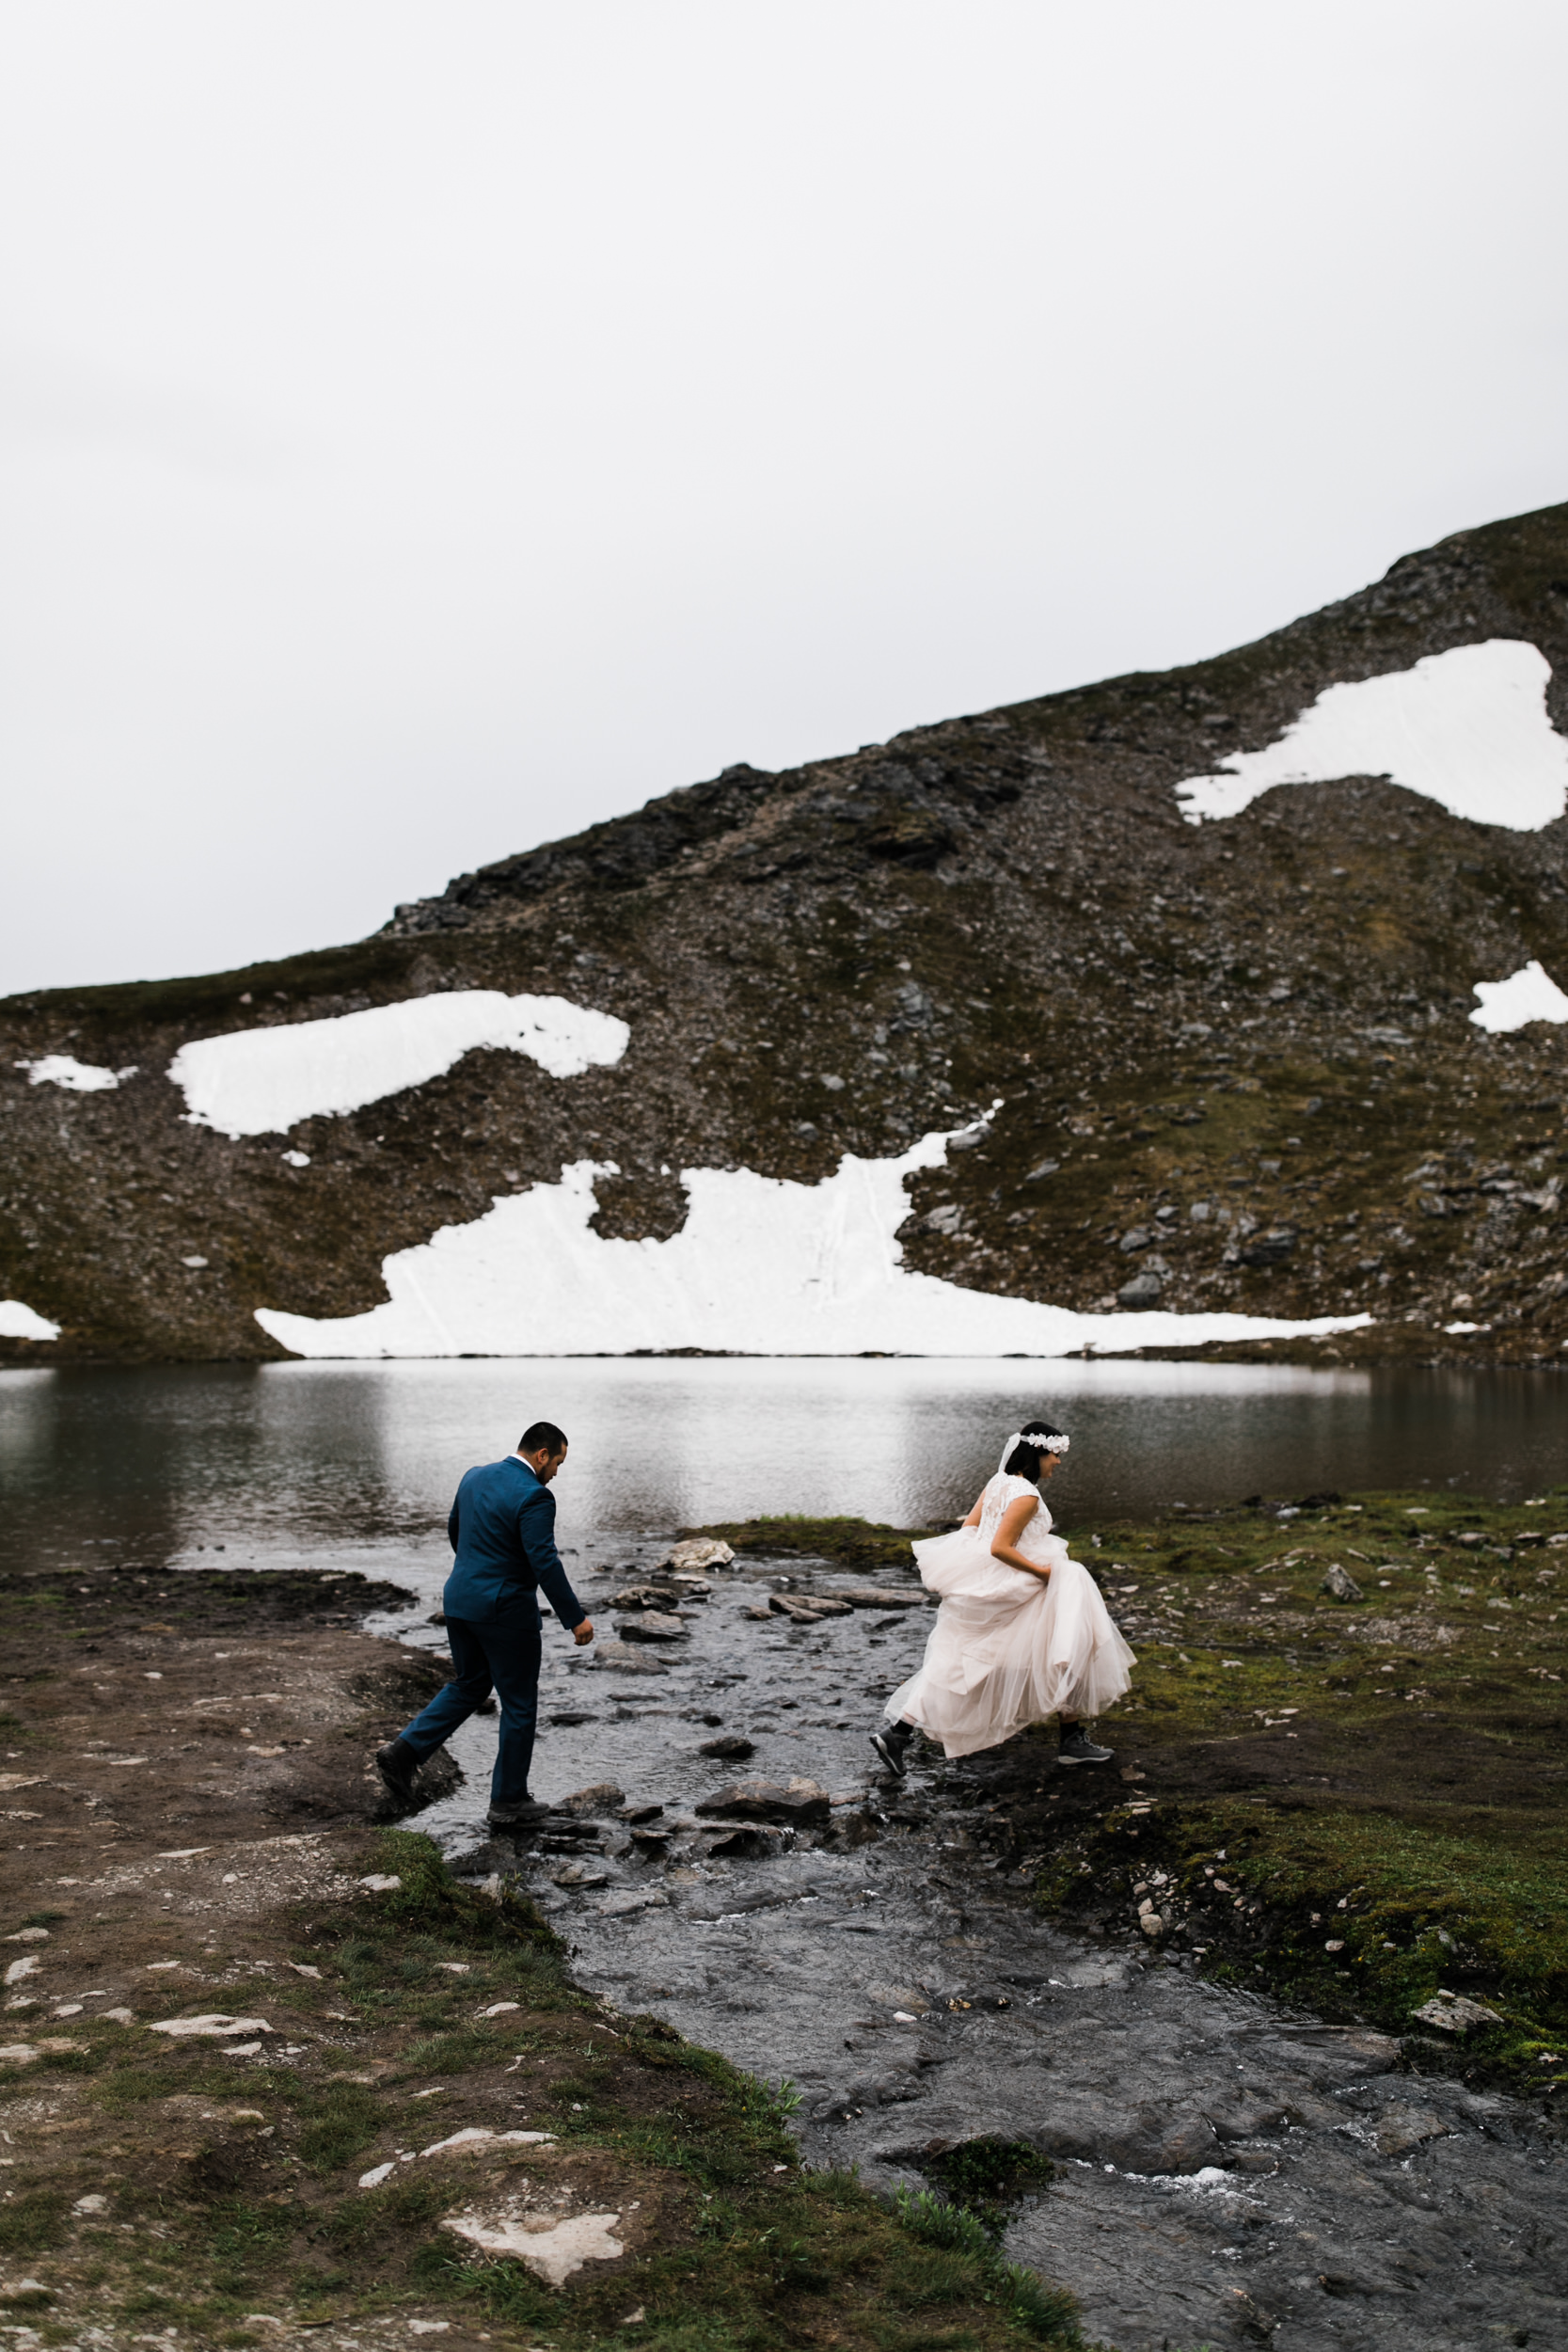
1000, 1492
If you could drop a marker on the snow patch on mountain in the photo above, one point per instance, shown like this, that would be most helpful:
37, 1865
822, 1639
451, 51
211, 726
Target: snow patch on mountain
18, 1322
1468, 728
762, 1266
77, 1078
1529, 995
256, 1082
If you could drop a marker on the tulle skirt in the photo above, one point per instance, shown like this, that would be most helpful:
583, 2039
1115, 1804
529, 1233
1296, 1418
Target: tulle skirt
1007, 1648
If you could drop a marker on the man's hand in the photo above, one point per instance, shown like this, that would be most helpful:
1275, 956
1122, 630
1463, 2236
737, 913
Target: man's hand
582, 1634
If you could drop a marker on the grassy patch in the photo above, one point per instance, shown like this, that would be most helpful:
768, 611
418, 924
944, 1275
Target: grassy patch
856, 1543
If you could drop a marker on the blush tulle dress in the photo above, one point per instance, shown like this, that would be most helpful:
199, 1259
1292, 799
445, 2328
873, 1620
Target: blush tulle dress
1009, 1648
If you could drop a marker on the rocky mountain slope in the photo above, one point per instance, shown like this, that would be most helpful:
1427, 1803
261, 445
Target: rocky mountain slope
1233, 1061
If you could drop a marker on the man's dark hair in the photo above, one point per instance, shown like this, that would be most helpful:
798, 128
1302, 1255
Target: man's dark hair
542, 1433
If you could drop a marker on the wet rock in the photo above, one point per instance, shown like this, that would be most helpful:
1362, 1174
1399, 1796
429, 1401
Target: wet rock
690, 1587
795, 1803
579, 1874
650, 1841
733, 1747
873, 1597
1247, 2115
1145, 2139
1400, 2128
699, 1551
627, 1658
644, 1596
652, 1626
802, 1611
638, 1815
601, 1798
1454, 2012
743, 1845
573, 1837
1339, 1583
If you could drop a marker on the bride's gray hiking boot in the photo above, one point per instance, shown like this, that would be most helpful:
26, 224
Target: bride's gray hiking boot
891, 1743
1077, 1748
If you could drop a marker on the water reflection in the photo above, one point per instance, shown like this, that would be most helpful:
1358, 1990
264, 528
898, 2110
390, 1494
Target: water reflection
298, 1460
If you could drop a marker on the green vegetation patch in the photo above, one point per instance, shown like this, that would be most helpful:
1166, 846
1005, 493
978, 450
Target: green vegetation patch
858, 1543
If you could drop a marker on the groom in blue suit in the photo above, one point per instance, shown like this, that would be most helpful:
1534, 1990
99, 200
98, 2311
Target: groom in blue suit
503, 1529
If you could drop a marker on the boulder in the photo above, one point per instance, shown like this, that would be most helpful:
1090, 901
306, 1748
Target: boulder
873, 1597
1339, 1583
807, 1609
1142, 1291
627, 1658
699, 1551
602, 1797
731, 1747
741, 1845
795, 1803
644, 1596
1454, 2012
652, 1626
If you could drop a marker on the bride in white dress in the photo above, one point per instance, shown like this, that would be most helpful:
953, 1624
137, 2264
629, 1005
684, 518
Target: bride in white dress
1023, 1631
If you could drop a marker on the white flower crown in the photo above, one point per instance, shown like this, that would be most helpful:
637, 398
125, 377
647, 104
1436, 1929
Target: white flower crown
1047, 1444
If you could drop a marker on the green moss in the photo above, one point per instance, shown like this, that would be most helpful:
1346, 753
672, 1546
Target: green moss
32, 2219
856, 1543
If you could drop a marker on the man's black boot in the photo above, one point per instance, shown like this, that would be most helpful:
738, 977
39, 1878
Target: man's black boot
398, 1766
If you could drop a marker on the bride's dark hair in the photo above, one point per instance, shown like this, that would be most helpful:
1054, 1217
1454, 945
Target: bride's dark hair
1026, 1456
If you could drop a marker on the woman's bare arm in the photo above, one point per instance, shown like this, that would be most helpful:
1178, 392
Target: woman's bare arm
1015, 1518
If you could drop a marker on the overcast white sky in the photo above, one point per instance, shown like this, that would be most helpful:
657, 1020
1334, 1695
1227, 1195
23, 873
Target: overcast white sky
427, 429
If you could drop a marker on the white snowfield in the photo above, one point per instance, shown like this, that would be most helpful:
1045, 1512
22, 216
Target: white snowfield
259, 1082
78, 1077
1469, 729
18, 1322
1530, 994
762, 1266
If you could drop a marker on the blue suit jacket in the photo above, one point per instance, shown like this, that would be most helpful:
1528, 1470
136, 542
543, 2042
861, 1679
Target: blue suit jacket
502, 1529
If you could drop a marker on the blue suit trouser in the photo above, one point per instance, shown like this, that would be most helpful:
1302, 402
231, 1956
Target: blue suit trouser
499, 1653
